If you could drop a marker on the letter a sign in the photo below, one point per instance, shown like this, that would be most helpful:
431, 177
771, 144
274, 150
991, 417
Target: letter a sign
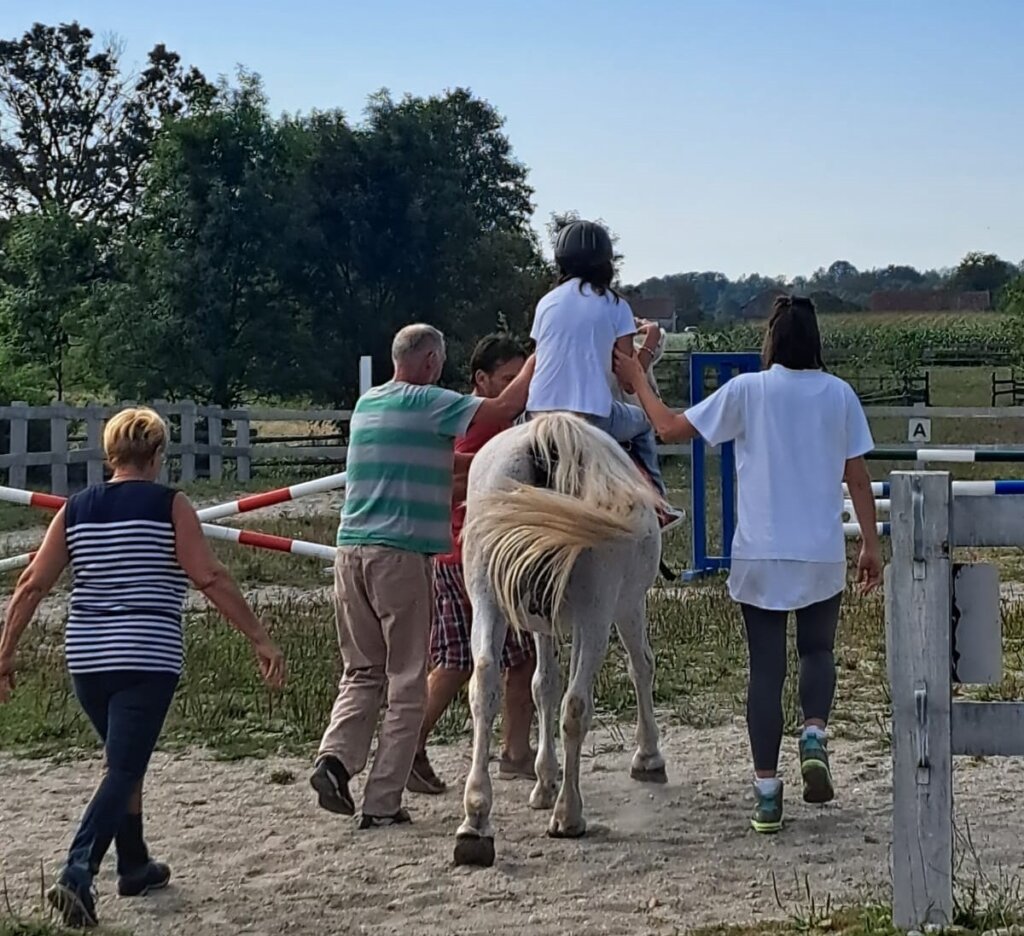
919, 429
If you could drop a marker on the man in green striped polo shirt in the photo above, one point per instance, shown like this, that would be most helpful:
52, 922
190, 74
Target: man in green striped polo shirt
397, 515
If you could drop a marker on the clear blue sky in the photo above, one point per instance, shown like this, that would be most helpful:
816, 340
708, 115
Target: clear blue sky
736, 135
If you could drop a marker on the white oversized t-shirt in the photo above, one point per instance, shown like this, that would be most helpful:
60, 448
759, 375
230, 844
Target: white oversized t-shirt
794, 432
576, 331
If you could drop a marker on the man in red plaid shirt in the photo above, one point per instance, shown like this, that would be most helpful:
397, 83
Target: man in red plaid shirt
496, 361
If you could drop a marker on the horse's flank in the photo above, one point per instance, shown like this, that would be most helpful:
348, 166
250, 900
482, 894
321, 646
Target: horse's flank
531, 536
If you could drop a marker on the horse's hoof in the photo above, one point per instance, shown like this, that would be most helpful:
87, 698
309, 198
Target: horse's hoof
559, 829
474, 850
542, 798
652, 775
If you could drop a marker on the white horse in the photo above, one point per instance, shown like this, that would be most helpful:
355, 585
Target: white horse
561, 539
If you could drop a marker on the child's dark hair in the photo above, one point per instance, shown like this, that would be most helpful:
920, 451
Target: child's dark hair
598, 277
793, 338
492, 351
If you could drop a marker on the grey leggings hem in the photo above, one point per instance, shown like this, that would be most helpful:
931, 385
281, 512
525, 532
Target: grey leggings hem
766, 643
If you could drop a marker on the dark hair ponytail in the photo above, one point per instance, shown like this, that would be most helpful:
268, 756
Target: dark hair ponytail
793, 338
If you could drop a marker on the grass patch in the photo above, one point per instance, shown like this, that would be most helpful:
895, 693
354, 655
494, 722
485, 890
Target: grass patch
700, 679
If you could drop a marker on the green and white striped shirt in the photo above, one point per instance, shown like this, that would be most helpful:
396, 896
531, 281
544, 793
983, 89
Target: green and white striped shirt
400, 459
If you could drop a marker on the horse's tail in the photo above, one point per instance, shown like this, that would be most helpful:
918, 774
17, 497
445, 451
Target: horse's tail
532, 536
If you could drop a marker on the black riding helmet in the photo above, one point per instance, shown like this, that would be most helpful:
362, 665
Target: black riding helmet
583, 245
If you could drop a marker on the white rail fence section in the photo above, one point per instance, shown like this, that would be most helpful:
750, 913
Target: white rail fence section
942, 627
206, 438
76, 437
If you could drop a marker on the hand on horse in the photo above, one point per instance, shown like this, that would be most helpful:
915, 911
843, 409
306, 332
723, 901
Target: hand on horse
628, 370
869, 568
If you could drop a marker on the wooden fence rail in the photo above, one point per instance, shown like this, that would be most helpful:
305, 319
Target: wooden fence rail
211, 442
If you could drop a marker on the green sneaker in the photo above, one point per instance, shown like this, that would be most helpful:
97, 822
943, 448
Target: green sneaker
767, 818
815, 770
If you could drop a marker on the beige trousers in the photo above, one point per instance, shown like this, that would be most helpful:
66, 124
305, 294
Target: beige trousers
383, 602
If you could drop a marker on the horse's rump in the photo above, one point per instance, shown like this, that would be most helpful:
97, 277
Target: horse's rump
585, 491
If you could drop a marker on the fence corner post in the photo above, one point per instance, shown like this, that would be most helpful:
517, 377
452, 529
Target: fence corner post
18, 475
94, 445
918, 597
59, 449
243, 442
188, 442
215, 441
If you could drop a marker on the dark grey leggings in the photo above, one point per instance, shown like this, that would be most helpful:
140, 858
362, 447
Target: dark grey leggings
766, 642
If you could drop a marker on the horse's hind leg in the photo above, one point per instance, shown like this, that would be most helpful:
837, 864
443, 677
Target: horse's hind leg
648, 764
547, 690
474, 841
589, 645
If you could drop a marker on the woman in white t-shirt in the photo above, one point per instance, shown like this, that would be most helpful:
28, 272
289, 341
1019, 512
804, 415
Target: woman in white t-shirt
576, 328
799, 433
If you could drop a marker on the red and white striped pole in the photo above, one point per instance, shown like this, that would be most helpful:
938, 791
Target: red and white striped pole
269, 498
295, 547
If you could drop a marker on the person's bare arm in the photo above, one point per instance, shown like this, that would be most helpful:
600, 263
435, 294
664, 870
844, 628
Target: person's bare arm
672, 427
652, 335
511, 402
33, 586
210, 577
858, 482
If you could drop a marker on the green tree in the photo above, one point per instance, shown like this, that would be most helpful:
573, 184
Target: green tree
75, 131
421, 213
982, 271
51, 279
202, 313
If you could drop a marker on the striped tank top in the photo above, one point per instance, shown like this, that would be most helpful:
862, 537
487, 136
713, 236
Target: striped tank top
128, 589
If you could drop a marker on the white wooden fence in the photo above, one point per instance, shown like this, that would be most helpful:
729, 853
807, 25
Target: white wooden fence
74, 436
942, 626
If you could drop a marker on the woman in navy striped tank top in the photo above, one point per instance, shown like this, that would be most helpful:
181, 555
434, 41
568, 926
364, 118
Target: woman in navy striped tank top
132, 545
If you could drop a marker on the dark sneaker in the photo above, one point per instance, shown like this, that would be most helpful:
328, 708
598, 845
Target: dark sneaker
153, 875
330, 780
401, 817
767, 817
815, 770
422, 778
669, 518
74, 903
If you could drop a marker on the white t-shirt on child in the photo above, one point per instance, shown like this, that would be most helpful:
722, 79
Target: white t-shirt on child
575, 331
794, 432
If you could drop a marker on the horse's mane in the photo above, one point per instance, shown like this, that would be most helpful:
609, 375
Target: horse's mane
532, 535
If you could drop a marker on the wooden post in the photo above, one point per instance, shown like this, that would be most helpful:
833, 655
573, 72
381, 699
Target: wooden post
94, 442
59, 450
243, 458
216, 440
18, 475
365, 373
160, 407
188, 442
918, 596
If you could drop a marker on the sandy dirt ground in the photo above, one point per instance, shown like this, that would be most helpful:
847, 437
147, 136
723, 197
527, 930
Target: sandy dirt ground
254, 856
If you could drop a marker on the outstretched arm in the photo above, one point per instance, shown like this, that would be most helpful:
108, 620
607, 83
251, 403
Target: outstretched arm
33, 586
672, 427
